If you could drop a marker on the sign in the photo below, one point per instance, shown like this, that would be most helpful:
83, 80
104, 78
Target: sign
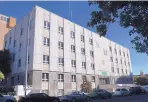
103, 73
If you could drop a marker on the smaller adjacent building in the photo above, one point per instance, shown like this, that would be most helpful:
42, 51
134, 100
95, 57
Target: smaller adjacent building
6, 23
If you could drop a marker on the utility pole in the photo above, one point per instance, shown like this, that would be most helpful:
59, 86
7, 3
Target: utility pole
27, 50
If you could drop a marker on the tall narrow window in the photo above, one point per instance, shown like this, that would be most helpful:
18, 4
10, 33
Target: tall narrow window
61, 61
21, 32
46, 25
91, 53
61, 45
73, 78
92, 66
45, 77
112, 69
10, 40
73, 63
117, 70
14, 43
19, 63
46, 41
20, 47
83, 51
72, 33
93, 78
82, 38
60, 77
61, 31
84, 65
72, 48
90, 41
46, 59
111, 59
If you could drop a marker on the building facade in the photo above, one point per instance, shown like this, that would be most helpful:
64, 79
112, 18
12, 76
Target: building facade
60, 53
6, 23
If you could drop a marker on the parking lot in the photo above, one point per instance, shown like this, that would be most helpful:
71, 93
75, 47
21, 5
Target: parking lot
133, 98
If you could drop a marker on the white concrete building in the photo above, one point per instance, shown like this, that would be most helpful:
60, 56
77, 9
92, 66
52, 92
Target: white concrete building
61, 52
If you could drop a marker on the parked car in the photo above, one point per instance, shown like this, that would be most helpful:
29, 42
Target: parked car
103, 93
137, 90
145, 88
39, 97
122, 92
100, 93
74, 96
7, 98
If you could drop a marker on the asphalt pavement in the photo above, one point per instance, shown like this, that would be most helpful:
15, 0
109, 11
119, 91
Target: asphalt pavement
133, 98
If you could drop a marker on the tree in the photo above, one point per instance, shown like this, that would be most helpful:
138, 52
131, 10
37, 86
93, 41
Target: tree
1, 76
5, 62
130, 14
86, 86
141, 80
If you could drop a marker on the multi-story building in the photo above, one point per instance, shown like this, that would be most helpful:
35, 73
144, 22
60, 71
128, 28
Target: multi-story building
60, 53
6, 23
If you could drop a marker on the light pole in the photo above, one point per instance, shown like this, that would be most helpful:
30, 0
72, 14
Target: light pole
27, 49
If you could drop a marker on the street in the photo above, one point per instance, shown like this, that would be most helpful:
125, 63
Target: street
134, 98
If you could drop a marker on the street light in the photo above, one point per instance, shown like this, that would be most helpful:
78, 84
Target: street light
27, 49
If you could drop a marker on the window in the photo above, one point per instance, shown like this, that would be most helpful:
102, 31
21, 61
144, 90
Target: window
28, 59
128, 64
110, 49
73, 78
61, 61
105, 52
127, 55
73, 63
14, 44
72, 33
83, 51
83, 64
72, 48
126, 71
21, 32
61, 31
90, 41
60, 77
121, 61
112, 69
5, 44
20, 47
93, 78
116, 60
45, 76
111, 59
10, 40
46, 25
19, 63
125, 63
61, 45
92, 53
124, 54
84, 78
117, 70
115, 51
122, 71
13, 58
82, 38
60, 92
120, 52
46, 59
46, 41
92, 66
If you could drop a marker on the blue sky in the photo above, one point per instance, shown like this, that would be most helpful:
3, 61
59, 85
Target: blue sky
80, 15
